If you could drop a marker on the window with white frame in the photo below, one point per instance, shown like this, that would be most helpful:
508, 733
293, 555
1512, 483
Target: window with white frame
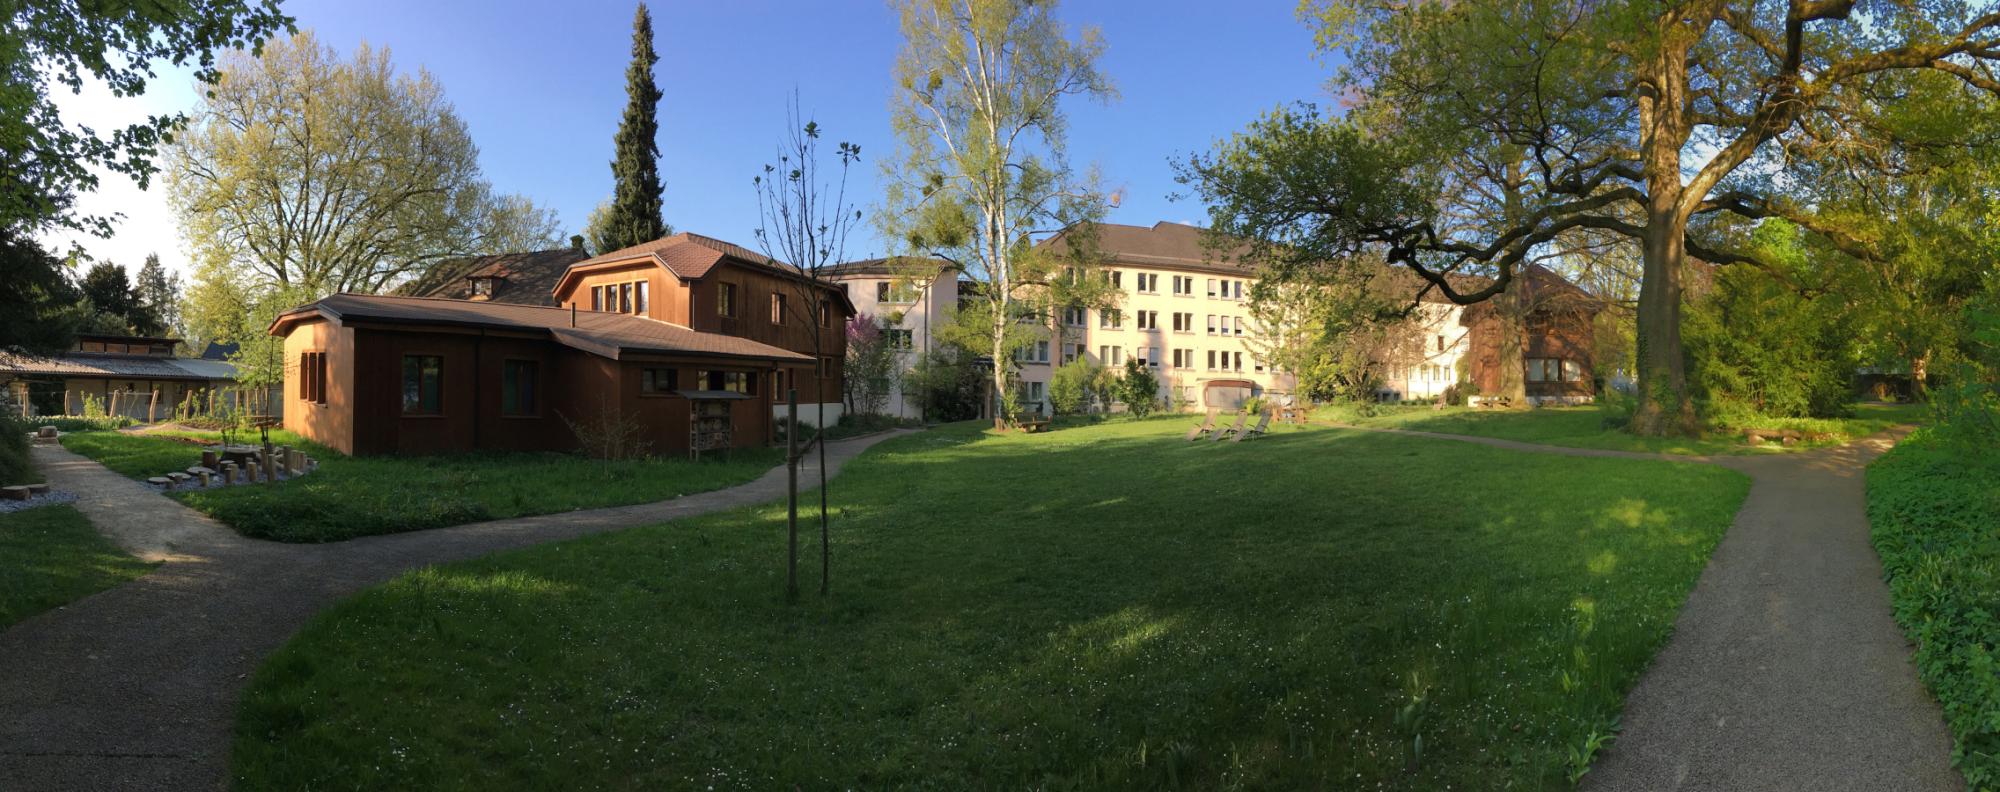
1073, 316
1183, 286
1115, 278
1211, 289
1183, 322
1211, 324
1211, 360
1183, 358
1147, 282
1149, 320
1239, 325
1111, 319
899, 338
1111, 355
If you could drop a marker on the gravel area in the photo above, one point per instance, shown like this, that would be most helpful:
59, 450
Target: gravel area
50, 498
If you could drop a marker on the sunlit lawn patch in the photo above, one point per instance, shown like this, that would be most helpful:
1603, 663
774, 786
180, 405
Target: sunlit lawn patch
50, 556
1584, 427
349, 497
1096, 607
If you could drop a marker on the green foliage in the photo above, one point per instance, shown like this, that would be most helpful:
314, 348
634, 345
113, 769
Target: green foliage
1283, 630
40, 310
946, 384
81, 423
1073, 385
1933, 505
15, 466
871, 367
1757, 347
51, 556
159, 298
1968, 405
1139, 389
1600, 426
61, 44
349, 497
633, 216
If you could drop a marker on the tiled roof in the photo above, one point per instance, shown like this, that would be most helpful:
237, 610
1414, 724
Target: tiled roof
687, 255
607, 334
78, 364
524, 278
894, 266
1168, 245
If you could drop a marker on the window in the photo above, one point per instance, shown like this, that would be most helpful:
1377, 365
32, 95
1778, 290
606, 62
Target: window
899, 338
639, 297
1148, 282
1211, 288
1073, 317
597, 298
1149, 320
777, 309
1035, 391
1239, 325
733, 381
482, 287
1211, 360
1183, 322
423, 385
1572, 371
895, 292
1183, 358
1538, 369
1239, 362
517, 387
725, 300
1117, 279
312, 377
1440, 342
659, 381
624, 298
826, 315
1111, 319
1183, 286
1153, 357
1111, 355
1211, 324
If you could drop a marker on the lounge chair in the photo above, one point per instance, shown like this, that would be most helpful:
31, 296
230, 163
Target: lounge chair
1205, 427
1263, 426
1240, 419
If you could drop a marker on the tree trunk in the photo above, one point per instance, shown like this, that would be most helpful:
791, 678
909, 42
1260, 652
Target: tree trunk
1664, 407
999, 371
825, 552
1508, 306
792, 492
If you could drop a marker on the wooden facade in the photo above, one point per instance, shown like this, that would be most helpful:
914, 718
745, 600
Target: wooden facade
1558, 341
398, 375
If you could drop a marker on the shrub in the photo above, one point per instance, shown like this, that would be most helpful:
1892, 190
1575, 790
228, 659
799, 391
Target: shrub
1070, 386
80, 423
1756, 348
946, 385
1139, 389
15, 467
1932, 505
1255, 404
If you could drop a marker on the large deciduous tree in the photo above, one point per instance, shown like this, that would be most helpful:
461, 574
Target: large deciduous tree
983, 167
633, 216
1482, 130
321, 174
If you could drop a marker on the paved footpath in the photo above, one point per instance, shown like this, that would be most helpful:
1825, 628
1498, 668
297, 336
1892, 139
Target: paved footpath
136, 687
1786, 670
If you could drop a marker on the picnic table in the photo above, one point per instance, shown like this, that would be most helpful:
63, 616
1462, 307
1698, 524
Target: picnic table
1293, 415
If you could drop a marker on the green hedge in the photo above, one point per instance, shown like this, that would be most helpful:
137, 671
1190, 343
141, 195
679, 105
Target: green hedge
80, 423
15, 468
1934, 506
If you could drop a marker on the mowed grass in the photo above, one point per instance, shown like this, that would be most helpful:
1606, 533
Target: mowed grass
50, 556
362, 496
1095, 607
1584, 427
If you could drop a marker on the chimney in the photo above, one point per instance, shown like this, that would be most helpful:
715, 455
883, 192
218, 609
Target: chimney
576, 242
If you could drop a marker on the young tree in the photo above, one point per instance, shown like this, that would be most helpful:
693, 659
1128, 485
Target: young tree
633, 216
983, 167
870, 372
58, 43
804, 222
330, 175
1673, 125
1139, 389
1337, 334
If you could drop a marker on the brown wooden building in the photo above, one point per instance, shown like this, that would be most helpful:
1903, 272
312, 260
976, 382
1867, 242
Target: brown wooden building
1558, 339
661, 333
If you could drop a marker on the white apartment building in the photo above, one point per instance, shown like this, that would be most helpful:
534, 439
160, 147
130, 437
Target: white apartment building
905, 304
1186, 315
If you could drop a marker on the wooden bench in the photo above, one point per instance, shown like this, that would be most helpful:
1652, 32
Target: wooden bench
1034, 425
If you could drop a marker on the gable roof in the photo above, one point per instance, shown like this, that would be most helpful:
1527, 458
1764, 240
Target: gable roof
524, 278
1170, 245
608, 335
691, 257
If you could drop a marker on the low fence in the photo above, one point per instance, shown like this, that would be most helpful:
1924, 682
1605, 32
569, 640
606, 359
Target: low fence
155, 406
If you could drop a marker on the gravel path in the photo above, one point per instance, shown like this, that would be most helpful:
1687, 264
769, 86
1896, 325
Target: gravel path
136, 687
1786, 670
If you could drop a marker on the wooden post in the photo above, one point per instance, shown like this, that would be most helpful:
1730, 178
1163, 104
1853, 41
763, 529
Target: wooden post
792, 492
153, 407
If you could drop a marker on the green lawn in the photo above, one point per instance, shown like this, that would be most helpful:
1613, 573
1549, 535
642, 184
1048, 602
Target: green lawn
50, 556
349, 497
1103, 606
1584, 427
1934, 508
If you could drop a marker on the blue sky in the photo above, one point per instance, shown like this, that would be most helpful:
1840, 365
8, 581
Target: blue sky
541, 86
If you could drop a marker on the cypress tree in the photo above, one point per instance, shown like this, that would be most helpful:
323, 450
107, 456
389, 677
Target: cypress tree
634, 217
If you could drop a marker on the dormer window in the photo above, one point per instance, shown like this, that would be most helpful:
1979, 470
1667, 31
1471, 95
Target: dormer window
483, 286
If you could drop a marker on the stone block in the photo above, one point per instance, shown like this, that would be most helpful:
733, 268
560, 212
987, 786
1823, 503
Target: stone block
16, 492
48, 431
38, 489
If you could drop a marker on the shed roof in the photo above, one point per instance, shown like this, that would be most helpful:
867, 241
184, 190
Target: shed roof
609, 335
91, 365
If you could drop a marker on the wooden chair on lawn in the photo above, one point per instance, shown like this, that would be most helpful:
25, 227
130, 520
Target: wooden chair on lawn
1263, 426
1205, 427
1241, 418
